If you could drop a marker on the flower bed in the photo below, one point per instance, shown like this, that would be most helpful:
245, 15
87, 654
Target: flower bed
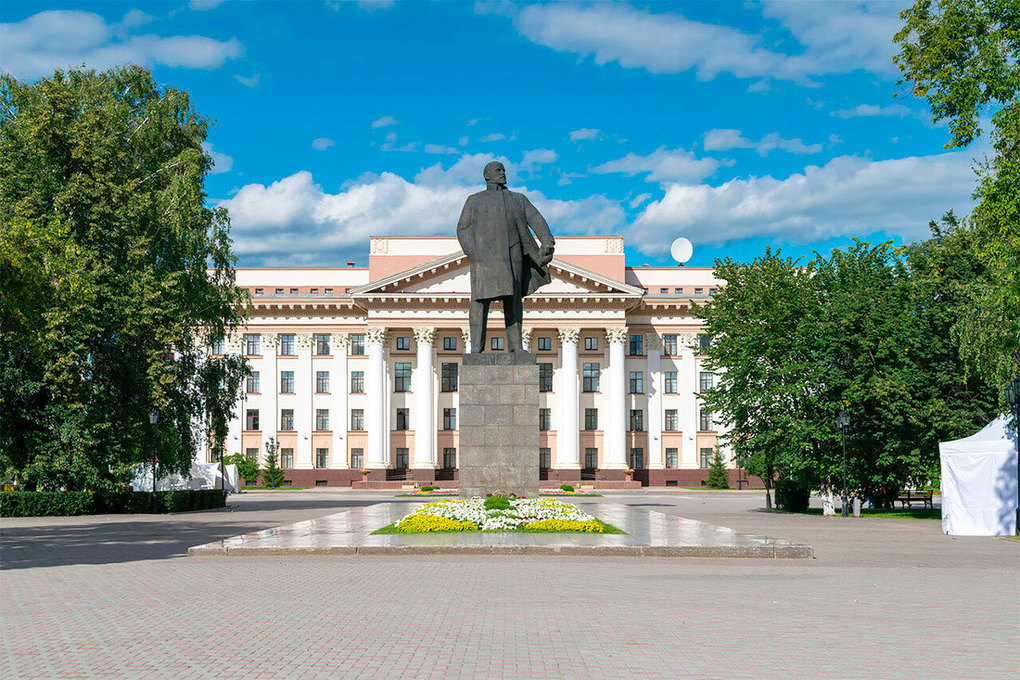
499, 513
560, 492
435, 491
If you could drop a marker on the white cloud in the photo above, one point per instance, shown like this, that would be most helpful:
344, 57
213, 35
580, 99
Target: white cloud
835, 38
584, 133
638, 200
871, 111
367, 5
763, 85
463, 141
385, 121
531, 160
249, 81
726, 139
440, 149
849, 195
135, 18
663, 165
202, 5
295, 221
494, 137
46, 41
221, 161
322, 143
835, 139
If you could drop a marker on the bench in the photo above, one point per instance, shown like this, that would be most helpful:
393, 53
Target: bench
906, 497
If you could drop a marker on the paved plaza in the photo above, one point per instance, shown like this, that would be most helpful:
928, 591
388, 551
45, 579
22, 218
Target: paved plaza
118, 596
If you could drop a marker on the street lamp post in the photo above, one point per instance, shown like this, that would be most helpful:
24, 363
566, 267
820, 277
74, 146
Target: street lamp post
154, 420
1013, 400
843, 420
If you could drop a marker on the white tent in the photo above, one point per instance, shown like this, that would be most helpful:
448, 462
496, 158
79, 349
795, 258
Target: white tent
979, 482
201, 476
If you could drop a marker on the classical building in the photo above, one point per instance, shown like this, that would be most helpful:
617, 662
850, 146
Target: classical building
356, 368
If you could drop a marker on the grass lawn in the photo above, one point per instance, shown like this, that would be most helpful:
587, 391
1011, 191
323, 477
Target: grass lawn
279, 488
571, 495
392, 529
904, 513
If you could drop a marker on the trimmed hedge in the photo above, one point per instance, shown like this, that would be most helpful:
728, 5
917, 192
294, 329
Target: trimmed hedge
64, 503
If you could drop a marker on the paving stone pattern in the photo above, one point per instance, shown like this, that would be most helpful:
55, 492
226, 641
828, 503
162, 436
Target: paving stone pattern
117, 597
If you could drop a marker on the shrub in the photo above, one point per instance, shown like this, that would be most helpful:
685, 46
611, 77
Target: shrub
497, 503
427, 489
46, 503
566, 525
792, 496
566, 487
420, 524
718, 478
65, 503
247, 469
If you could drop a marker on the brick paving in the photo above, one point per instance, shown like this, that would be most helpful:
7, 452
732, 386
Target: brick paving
117, 597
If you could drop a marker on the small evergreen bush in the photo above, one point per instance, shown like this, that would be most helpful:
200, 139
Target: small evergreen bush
427, 489
718, 478
272, 475
566, 487
497, 503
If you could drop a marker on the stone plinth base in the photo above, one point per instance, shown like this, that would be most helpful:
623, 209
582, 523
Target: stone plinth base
498, 424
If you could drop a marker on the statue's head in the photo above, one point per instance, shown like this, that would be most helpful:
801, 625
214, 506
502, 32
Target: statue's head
495, 173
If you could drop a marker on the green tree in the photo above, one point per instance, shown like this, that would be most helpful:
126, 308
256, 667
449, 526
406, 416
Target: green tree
963, 57
718, 477
113, 273
272, 475
247, 468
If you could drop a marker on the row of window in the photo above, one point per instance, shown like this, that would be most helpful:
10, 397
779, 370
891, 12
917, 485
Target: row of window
321, 341
591, 419
449, 458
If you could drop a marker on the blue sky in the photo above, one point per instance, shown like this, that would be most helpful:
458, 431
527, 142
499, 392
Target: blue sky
735, 124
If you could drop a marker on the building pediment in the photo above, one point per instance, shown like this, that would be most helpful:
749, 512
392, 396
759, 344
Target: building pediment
449, 277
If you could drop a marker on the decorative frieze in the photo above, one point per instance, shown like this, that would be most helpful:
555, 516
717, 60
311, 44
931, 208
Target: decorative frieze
378, 245
614, 246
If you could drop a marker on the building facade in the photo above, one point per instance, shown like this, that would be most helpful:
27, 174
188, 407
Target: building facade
357, 368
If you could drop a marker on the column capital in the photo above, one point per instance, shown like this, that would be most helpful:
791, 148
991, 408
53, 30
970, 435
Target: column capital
569, 335
234, 342
270, 341
526, 339
617, 335
376, 335
424, 335
653, 341
687, 340
342, 340
303, 340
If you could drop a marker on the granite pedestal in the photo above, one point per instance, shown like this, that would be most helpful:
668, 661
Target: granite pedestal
498, 396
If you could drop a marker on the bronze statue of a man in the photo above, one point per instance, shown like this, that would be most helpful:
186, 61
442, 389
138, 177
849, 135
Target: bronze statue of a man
506, 264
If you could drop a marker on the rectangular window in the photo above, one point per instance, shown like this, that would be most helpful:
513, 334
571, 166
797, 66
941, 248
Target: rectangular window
286, 458
287, 344
357, 419
591, 458
357, 382
590, 381
286, 419
678, 291
322, 419
278, 291
591, 419
545, 419
321, 458
637, 382
403, 419
664, 290
357, 459
699, 291
322, 381
449, 458
545, 377
448, 382
669, 382
705, 458
449, 419
293, 291
544, 458
219, 346
251, 344
637, 458
669, 346
252, 383
637, 345
260, 291
403, 342
544, 343
402, 458
358, 344
251, 419
637, 420
286, 382
314, 291
252, 455
672, 458
402, 376
704, 341
322, 344
496, 344
672, 423
705, 420
327, 291
705, 381
450, 343
591, 344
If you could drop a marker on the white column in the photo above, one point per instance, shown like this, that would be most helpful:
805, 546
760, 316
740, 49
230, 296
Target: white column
304, 417
568, 453
236, 423
653, 387
615, 399
339, 387
526, 339
687, 384
270, 415
423, 414
466, 334
376, 388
